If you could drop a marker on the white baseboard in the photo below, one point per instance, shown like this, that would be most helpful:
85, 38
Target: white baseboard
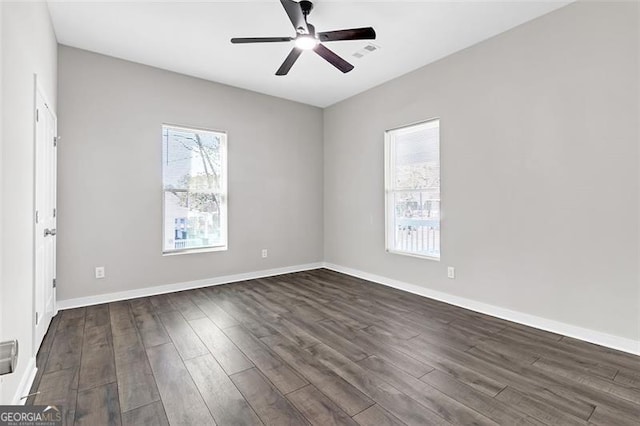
25, 383
188, 285
611, 341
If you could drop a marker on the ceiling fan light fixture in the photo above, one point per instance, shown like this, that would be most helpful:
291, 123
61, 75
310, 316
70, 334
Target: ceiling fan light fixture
306, 42
306, 38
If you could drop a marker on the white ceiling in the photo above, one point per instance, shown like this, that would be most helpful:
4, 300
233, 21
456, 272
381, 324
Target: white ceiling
193, 38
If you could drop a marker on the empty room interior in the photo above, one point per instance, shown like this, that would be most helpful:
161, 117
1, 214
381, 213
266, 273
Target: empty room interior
281, 212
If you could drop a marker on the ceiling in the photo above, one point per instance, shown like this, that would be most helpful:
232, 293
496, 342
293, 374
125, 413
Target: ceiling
192, 38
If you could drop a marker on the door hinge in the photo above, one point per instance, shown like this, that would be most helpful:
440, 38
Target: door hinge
36, 318
54, 283
37, 216
37, 115
55, 141
54, 212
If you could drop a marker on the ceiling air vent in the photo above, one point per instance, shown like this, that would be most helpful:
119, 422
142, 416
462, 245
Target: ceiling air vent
366, 50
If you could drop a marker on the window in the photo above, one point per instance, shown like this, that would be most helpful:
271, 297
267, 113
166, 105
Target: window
194, 177
412, 190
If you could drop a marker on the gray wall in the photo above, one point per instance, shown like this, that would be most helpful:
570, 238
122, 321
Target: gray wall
28, 48
539, 146
110, 198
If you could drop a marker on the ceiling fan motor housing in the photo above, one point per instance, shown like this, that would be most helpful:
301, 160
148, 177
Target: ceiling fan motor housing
306, 7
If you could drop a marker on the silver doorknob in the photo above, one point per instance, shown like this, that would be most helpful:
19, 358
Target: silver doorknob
8, 356
51, 232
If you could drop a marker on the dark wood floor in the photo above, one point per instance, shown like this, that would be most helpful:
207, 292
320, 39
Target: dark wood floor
322, 348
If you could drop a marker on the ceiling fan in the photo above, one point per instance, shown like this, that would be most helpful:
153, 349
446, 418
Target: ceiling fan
307, 39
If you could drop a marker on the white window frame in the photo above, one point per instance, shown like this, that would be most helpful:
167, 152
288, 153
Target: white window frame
389, 190
224, 195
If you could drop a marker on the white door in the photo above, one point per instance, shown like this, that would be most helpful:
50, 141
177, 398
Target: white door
45, 217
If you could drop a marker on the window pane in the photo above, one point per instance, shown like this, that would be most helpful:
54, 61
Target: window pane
416, 227
192, 159
194, 198
417, 158
413, 189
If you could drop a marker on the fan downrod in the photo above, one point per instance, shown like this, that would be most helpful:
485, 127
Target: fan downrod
306, 6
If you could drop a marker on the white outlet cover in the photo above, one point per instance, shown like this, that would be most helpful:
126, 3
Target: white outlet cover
451, 272
100, 272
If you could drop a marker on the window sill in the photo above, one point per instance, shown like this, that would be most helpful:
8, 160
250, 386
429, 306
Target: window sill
419, 256
195, 250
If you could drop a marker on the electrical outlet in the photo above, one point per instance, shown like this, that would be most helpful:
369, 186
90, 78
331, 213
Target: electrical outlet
265, 253
99, 272
451, 272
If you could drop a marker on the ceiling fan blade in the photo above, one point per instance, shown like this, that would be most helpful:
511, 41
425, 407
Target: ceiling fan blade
289, 61
367, 33
294, 11
332, 58
239, 40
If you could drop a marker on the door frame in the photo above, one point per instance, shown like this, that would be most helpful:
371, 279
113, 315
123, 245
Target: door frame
39, 91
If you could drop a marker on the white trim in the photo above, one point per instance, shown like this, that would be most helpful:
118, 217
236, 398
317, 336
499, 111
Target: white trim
188, 285
599, 338
25, 383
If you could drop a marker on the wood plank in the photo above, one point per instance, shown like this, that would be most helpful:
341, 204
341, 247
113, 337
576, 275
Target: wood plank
460, 371
582, 350
387, 396
328, 337
148, 415
185, 306
298, 335
537, 409
628, 377
604, 416
608, 355
535, 384
42, 357
268, 403
343, 394
317, 408
377, 416
161, 303
283, 377
182, 402
66, 348
98, 406
121, 318
215, 313
509, 343
230, 358
479, 401
74, 313
98, 365
136, 384
371, 346
182, 335
441, 404
493, 350
97, 315
59, 388
148, 324
618, 389
223, 399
